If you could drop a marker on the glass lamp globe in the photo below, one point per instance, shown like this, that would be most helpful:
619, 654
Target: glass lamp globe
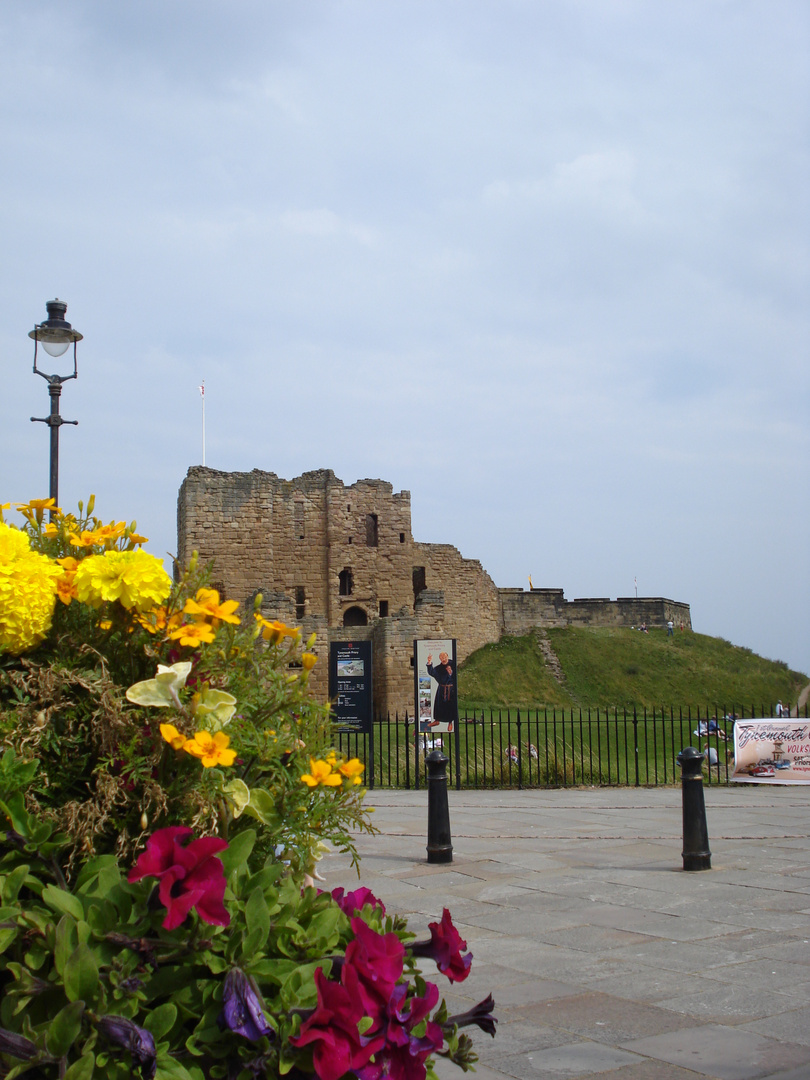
55, 348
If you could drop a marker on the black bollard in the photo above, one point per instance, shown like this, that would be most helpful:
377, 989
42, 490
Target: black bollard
440, 843
696, 854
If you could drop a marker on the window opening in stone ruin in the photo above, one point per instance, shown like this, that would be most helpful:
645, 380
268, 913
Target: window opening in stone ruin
419, 584
350, 539
298, 519
220, 587
346, 580
383, 609
300, 602
371, 530
355, 616
402, 538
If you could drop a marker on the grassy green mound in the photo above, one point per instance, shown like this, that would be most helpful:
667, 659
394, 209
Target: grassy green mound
619, 667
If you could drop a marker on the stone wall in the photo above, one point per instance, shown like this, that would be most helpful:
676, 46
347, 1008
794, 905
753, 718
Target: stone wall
548, 607
340, 562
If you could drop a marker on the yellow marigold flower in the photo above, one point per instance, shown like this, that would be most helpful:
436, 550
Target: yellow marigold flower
35, 508
198, 633
210, 749
86, 539
135, 579
51, 531
308, 661
66, 588
173, 737
352, 770
274, 632
156, 620
108, 534
27, 592
320, 772
135, 539
207, 606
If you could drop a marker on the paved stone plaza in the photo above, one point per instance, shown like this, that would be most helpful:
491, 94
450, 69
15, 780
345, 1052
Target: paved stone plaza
604, 957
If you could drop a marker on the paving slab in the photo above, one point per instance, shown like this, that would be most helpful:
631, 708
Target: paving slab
605, 958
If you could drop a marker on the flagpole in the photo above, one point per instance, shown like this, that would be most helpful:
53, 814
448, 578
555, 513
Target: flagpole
202, 395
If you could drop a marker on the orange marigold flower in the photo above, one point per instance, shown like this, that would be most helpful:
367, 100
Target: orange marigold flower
352, 770
193, 634
320, 772
274, 632
210, 749
173, 737
207, 606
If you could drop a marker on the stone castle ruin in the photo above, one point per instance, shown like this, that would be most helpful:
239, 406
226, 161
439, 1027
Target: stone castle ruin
342, 562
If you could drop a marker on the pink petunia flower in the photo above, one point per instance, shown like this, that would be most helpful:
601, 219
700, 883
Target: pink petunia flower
378, 960
350, 902
190, 876
444, 948
337, 1046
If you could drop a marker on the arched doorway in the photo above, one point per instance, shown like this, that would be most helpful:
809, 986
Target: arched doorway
355, 616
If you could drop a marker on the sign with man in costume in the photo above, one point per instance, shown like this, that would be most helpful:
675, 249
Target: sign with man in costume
436, 684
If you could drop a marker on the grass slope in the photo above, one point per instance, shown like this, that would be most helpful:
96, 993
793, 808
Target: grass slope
620, 667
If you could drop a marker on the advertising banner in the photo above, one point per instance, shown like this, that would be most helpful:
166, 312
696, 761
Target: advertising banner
436, 685
350, 684
771, 752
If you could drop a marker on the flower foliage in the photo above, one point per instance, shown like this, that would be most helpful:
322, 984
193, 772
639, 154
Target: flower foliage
111, 647
150, 725
100, 981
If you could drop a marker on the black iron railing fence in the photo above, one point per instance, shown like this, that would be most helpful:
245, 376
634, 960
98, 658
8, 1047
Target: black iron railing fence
554, 747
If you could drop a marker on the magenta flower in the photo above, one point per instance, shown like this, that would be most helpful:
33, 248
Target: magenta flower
378, 960
444, 948
337, 1046
190, 876
404, 1054
480, 1015
351, 902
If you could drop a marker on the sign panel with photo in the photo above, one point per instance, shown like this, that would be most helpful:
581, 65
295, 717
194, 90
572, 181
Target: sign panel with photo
771, 752
436, 685
350, 684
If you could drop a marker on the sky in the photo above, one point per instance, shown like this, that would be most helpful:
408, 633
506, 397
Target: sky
542, 263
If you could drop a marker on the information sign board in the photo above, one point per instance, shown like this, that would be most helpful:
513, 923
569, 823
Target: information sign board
350, 684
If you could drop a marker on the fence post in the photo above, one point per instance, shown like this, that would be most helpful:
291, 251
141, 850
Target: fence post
371, 751
520, 755
696, 854
439, 845
635, 739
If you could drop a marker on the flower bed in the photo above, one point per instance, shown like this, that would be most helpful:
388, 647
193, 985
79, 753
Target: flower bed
168, 785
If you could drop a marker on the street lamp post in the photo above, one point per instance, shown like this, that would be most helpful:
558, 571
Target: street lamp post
56, 335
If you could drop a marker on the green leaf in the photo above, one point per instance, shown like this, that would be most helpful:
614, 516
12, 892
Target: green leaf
81, 1069
66, 941
64, 1029
170, 1069
161, 1020
257, 914
238, 851
16, 814
7, 936
263, 807
13, 883
239, 794
63, 902
81, 975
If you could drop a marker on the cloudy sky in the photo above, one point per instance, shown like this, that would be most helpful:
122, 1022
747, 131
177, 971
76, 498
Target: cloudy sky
543, 263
